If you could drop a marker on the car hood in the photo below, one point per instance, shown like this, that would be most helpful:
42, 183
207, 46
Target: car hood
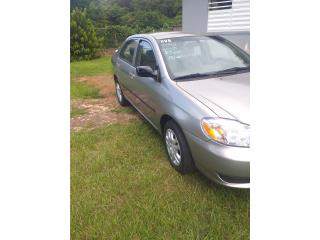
228, 96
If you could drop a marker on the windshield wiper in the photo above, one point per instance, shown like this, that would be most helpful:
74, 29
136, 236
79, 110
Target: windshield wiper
193, 75
225, 71
233, 70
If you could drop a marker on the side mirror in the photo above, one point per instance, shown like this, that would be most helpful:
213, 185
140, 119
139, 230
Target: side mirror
147, 71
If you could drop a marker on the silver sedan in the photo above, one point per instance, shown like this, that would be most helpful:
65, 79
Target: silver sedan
195, 91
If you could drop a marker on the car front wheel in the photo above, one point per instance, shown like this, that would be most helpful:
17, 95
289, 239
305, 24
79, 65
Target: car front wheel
177, 148
121, 99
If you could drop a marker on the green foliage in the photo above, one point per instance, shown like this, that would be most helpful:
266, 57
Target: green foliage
84, 42
143, 19
115, 20
79, 3
114, 35
169, 8
142, 22
123, 3
105, 14
176, 21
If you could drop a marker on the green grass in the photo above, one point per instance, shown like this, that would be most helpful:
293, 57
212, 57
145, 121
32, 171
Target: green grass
123, 187
82, 90
77, 112
94, 67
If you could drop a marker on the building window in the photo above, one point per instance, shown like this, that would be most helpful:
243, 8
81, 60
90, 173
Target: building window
219, 5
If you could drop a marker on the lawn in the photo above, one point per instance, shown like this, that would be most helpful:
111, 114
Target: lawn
91, 68
80, 90
123, 187
77, 112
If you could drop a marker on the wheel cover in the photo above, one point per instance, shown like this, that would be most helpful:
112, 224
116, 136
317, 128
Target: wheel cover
173, 147
119, 92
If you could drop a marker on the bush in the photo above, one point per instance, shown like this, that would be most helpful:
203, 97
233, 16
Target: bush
114, 35
140, 22
142, 19
84, 41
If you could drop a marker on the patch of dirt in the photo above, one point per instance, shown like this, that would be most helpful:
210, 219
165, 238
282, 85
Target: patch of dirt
104, 83
102, 111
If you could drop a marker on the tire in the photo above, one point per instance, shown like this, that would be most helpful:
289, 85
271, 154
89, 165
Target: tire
173, 136
120, 97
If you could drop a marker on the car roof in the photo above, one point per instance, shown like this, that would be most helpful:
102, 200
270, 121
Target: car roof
164, 35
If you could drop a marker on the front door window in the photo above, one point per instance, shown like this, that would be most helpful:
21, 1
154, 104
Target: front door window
145, 55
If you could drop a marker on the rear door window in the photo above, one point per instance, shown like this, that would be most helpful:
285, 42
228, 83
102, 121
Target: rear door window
127, 52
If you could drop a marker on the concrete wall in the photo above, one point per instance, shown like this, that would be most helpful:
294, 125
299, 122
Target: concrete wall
194, 16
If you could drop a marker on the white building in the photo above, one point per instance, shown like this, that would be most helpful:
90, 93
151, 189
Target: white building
229, 18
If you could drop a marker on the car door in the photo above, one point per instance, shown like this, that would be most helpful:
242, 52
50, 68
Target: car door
126, 69
147, 89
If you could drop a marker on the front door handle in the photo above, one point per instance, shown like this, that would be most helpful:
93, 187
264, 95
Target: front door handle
131, 75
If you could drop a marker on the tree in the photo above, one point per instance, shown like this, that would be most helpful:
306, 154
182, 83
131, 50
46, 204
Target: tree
114, 13
123, 3
84, 41
141, 20
169, 8
114, 35
114, 20
79, 3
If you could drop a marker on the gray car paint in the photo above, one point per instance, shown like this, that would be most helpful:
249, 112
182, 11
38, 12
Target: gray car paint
228, 96
187, 103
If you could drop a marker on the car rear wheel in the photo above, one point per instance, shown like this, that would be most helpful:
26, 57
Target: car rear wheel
177, 148
121, 99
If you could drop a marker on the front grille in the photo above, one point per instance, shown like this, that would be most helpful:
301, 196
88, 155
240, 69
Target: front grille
234, 179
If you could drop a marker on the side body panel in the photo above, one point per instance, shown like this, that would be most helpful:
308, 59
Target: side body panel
155, 99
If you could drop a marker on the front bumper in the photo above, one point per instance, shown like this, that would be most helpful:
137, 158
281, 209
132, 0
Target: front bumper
229, 166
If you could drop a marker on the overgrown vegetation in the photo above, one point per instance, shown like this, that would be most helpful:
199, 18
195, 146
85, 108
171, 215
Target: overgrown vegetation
83, 38
115, 20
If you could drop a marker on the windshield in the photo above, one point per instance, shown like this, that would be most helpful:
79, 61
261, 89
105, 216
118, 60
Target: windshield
190, 57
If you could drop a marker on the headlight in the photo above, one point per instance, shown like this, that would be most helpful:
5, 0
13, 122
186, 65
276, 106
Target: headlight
226, 131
